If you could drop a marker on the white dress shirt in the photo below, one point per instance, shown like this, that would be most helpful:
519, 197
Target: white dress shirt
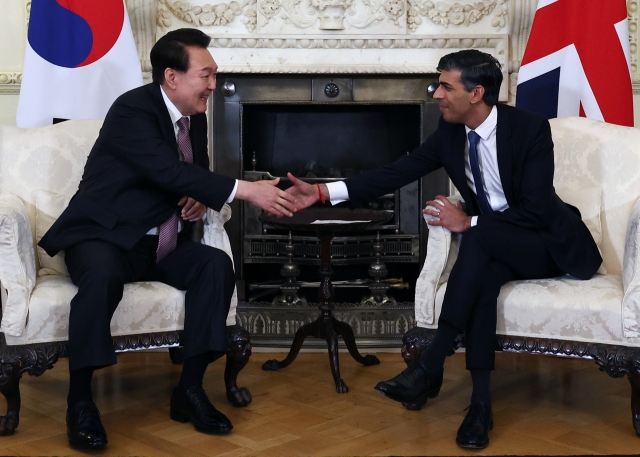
176, 115
487, 159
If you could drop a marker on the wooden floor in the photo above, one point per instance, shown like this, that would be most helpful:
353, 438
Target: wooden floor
542, 406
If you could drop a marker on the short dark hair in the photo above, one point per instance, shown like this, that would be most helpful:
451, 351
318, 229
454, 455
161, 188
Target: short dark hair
476, 69
170, 51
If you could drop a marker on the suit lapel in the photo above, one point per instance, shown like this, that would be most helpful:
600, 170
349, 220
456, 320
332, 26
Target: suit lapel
195, 135
505, 153
165, 120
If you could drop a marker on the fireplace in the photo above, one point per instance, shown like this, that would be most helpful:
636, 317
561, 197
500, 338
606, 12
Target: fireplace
324, 129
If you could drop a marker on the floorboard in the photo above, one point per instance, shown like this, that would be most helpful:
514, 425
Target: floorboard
542, 406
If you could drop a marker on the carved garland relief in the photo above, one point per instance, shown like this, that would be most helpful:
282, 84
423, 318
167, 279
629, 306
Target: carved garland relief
207, 15
332, 14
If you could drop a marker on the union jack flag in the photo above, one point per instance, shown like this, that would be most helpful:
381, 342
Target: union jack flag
577, 63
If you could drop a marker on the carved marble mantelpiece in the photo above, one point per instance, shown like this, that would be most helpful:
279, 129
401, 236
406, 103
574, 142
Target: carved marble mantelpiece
340, 36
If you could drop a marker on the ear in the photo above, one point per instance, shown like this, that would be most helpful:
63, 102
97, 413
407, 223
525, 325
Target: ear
170, 77
476, 94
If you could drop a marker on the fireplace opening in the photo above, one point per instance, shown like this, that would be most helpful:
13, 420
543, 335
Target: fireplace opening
327, 140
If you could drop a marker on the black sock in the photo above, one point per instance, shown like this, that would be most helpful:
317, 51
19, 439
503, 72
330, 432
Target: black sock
80, 386
193, 371
432, 359
481, 390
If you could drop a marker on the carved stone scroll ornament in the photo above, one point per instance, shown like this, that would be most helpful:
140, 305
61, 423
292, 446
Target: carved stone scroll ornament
207, 15
616, 361
457, 14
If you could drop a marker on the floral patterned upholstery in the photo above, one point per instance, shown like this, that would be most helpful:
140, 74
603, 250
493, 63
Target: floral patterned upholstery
39, 172
593, 160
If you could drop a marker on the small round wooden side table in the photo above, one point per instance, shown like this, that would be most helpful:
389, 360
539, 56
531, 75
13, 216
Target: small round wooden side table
325, 222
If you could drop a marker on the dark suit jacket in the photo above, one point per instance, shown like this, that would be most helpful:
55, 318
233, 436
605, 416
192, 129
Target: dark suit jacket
133, 178
526, 164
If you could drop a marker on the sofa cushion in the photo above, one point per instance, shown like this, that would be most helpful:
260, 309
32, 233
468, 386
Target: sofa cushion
49, 207
145, 307
561, 308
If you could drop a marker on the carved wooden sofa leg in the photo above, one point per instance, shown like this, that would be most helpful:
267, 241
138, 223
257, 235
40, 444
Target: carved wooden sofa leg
238, 353
618, 361
414, 342
14, 362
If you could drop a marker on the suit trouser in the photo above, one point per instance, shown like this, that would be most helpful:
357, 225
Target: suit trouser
100, 270
489, 256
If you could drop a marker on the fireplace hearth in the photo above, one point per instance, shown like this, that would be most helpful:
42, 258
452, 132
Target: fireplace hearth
324, 129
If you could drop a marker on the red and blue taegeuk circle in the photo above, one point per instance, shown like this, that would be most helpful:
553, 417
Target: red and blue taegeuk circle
74, 33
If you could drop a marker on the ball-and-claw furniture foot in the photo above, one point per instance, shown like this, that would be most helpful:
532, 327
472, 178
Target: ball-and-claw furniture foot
238, 353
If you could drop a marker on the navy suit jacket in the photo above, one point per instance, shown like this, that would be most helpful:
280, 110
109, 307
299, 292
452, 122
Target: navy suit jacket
133, 178
526, 165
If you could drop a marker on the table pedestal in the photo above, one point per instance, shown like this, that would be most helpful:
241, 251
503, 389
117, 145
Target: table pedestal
325, 326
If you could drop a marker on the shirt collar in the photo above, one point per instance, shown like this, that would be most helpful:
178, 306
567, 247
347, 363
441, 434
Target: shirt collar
485, 129
174, 112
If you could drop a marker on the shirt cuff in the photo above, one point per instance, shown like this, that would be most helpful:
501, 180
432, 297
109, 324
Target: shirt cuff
233, 193
474, 221
338, 192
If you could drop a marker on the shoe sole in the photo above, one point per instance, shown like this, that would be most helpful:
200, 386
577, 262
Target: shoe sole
419, 401
183, 419
87, 446
471, 446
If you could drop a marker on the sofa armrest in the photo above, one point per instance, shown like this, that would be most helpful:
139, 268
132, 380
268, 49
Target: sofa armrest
442, 251
17, 263
215, 235
631, 276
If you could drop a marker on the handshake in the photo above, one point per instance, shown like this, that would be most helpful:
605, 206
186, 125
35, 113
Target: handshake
276, 202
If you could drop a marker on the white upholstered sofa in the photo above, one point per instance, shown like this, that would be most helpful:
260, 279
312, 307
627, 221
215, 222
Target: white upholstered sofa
39, 172
597, 169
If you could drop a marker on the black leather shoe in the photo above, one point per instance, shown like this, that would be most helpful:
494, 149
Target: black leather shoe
193, 405
413, 386
84, 428
475, 428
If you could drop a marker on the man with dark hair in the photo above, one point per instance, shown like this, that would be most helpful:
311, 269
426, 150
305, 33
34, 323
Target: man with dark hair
515, 226
145, 182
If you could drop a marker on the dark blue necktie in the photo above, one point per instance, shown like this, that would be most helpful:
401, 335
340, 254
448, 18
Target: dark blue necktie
483, 202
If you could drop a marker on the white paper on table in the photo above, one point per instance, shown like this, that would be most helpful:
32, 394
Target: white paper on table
328, 221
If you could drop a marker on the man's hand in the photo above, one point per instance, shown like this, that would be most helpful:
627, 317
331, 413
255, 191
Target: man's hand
305, 194
450, 216
264, 194
191, 210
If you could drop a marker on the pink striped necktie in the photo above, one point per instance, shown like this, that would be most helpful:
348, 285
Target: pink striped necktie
168, 232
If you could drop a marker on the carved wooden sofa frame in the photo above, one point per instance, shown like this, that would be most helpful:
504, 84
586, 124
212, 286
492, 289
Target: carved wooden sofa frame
39, 171
35, 359
597, 170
